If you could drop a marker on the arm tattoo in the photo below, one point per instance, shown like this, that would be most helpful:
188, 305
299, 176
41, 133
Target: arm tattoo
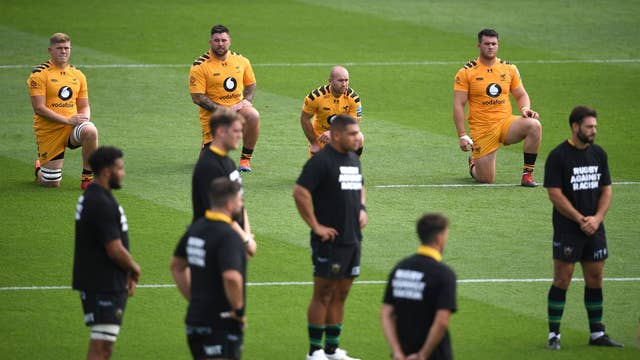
206, 103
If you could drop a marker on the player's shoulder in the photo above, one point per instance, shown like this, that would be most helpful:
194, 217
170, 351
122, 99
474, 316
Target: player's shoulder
41, 68
352, 94
201, 59
469, 65
507, 64
318, 92
74, 70
238, 58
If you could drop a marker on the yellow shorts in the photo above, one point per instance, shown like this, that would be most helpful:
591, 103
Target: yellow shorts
488, 140
53, 143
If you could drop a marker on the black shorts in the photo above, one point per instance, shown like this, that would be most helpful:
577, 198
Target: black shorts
206, 342
103, 308
574, 247
335, 261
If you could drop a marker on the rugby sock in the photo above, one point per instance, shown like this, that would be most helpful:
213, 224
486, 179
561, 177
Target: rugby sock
333, 338
246, 153
315, 337
555, 307
593, 303
529, 162
359, 151
87, 175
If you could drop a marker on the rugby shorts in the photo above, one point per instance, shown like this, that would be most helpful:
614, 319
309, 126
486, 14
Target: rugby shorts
335, 261
206, 342
573, 247
488, 140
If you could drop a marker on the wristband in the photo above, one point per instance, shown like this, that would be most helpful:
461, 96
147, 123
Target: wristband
246, 240
362, 207
239, 312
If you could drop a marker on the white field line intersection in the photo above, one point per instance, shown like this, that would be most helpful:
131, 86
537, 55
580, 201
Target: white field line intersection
307, 283
374, 63
475, 185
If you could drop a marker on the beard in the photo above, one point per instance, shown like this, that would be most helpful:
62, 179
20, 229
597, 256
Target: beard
114, 183
584, 138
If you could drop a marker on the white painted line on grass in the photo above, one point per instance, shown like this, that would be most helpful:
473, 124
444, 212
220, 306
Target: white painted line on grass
475, 185
306, 283
374, 63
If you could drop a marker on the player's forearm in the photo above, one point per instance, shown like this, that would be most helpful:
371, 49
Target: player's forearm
121, 257
563, 205
204, 102
51, 115
604, 202
249, 92
389, 328
84, 108
232, 282
458, 119
182, 276
307, 128
304, 205
436, 333
522, 99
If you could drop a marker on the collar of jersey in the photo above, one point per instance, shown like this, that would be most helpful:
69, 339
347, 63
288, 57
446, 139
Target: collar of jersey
574, 144
217, 151
217, 216
428, 251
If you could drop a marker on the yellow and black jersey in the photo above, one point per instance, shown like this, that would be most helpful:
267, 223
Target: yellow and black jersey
488, 90
61, 89
323, 105
222, 81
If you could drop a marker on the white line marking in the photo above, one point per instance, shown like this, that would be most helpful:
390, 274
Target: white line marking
475, 185
399, 63
306, 283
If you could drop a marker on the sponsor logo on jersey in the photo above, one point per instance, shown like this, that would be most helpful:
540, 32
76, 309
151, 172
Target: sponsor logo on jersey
493, 90
230, 84
212, 350
65, 93
196, 254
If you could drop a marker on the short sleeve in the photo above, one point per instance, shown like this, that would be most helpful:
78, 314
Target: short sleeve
447, 294
516, 81
197, 80
309, 106
249, 77
388, 292
37, 84
312, 173
553, 171
461, 83
605, 178
181, 248
83, 93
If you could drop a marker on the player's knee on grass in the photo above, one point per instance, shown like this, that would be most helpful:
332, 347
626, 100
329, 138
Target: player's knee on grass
50, 177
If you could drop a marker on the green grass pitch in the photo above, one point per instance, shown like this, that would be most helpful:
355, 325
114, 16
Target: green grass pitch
497, 232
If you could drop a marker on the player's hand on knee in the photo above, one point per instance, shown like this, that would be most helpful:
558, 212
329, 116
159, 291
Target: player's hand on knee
527, 112
325, 137
77, 119
466, 144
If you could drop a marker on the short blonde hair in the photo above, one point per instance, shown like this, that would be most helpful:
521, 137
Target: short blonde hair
59, 38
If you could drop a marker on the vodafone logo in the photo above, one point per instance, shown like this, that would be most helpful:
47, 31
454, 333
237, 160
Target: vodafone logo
494, 90
65, 93
230, 84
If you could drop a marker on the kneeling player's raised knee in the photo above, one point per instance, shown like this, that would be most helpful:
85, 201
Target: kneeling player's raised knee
85, 131
50, 177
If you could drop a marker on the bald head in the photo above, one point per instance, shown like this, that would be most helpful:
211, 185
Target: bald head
338, 71
338, 80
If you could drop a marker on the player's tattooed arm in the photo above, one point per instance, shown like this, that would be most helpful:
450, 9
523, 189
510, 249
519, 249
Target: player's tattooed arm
204, 102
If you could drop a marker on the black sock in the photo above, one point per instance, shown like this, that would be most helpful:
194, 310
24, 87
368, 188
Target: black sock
359, 151
333, 338
315, 337
529, 162
593, 303
86, 172
555, 306
246, 153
